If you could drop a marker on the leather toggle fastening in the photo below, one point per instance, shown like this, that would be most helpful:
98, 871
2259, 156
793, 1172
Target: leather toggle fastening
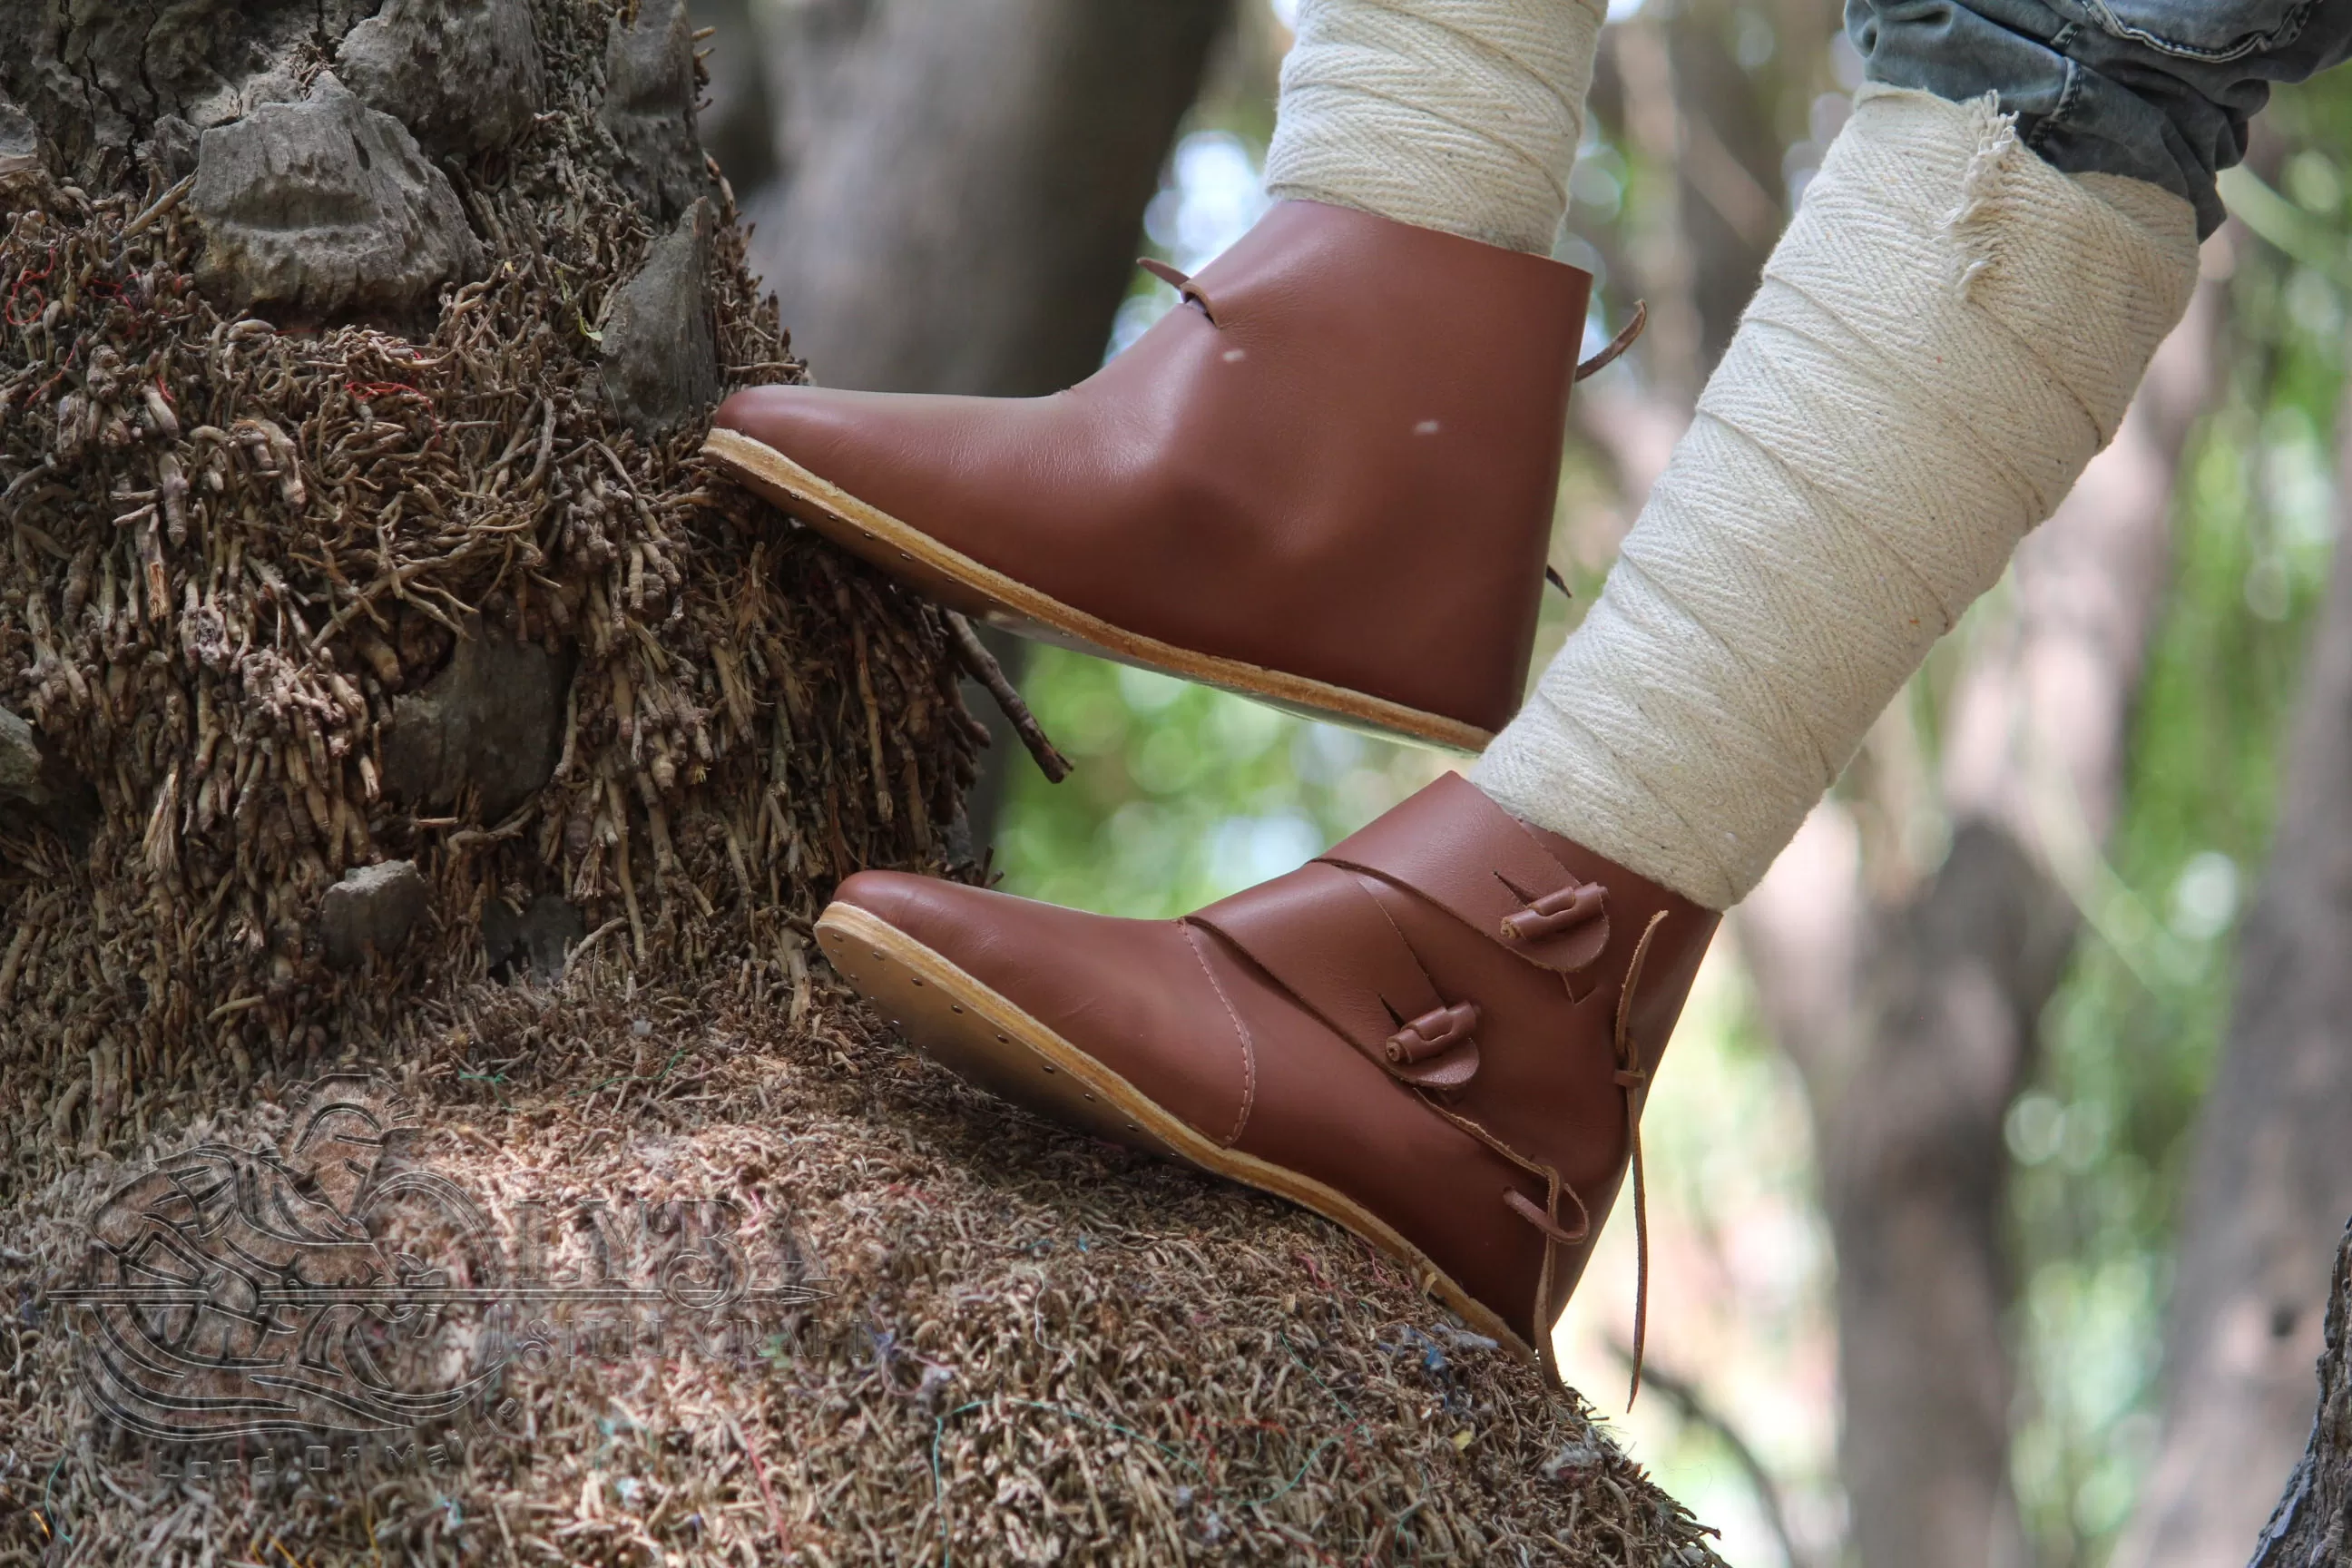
1556, 912
1435, 1050
1455, 848
1433, 1032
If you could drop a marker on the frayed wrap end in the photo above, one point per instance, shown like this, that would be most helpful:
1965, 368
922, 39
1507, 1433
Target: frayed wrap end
1977, 223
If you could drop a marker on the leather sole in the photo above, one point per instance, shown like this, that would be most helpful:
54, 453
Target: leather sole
974, 1030
957, 581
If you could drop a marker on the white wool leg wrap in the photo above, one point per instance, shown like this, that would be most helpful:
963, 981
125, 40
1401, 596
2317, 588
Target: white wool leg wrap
1460, 115
1946, 333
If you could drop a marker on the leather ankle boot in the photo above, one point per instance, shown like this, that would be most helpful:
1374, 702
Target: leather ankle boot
1326, 480
1438, 1035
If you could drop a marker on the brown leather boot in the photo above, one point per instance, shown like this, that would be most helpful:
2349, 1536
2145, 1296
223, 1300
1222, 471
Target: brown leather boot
1326, 480
1439, 1034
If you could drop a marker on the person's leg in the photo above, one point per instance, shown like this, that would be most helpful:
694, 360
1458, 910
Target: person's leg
1948, 332
1460, 115
1950, 329
1439, 1032
1268, 490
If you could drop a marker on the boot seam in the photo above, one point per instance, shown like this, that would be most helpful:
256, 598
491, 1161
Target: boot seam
1241, 1034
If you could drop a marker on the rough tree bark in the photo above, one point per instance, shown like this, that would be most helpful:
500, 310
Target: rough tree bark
2273, 1179
2314, 1518
1909, 1005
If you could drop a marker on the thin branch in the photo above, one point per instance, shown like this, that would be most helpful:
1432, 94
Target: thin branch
982, 667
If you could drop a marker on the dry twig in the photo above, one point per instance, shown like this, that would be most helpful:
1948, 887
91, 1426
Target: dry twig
983, 667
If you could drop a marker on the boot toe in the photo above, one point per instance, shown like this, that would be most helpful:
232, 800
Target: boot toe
820, 428
913, 904
1106, 1024
887, 476
984, 933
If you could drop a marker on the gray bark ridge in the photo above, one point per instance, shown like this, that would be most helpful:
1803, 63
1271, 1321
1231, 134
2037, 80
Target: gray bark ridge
464, 75
491, 721
326, 210
97, 78
648, 109
38, 787
2308, 1527
660, 360
373, 909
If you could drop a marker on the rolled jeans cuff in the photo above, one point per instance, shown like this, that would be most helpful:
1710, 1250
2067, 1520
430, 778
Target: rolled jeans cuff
2160, 91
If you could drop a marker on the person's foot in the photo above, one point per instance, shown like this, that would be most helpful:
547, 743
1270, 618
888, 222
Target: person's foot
1438, 1035
1326, 480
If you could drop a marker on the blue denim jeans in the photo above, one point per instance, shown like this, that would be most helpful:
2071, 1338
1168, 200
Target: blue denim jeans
2159, 89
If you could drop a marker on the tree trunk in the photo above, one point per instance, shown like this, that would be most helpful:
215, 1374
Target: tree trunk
2273, 1179
960, 210
1910, 1007
960, 196
451, 738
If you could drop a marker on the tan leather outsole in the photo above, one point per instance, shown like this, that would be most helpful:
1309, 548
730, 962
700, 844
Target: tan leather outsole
976, 1031
959, 581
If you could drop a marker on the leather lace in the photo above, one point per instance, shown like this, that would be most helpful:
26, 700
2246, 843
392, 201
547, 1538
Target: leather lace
1616, 345
1545, 1219
1182, 283
1633, 1076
